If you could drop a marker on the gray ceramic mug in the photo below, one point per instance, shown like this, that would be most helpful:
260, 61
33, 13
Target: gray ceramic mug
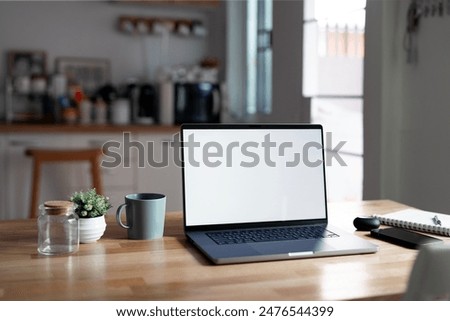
145, 213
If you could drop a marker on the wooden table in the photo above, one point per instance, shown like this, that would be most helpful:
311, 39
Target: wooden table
115, 268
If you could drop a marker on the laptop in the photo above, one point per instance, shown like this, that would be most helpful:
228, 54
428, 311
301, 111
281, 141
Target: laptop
256, 192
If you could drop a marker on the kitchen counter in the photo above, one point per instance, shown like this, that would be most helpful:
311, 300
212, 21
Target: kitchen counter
90, 128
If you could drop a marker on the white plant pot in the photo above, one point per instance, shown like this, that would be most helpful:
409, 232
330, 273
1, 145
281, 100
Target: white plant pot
92, 229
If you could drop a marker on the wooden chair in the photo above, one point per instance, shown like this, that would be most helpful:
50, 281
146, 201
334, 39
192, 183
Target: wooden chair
41, 156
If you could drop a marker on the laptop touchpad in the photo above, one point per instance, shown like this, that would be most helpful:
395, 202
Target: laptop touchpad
291, 246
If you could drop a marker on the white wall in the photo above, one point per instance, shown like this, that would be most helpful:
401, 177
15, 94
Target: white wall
407, 109
89, 29
288, 104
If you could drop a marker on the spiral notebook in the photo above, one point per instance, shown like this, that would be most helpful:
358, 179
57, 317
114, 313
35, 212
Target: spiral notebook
419, 220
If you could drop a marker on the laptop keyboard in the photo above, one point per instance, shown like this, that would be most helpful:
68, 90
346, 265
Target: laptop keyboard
270, 234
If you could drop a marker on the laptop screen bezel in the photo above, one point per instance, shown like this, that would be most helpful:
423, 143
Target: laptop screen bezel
208, 126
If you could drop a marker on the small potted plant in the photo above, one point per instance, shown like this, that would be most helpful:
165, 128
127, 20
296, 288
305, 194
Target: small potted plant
91, 208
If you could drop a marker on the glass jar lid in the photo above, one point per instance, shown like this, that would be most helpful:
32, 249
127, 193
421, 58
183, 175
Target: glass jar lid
57, 207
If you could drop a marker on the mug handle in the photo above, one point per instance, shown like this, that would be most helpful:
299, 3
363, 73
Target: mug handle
118, 213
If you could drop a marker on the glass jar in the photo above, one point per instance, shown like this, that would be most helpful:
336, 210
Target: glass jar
58, 228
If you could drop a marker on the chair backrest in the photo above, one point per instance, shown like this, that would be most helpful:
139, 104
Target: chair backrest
40, 156
430, 276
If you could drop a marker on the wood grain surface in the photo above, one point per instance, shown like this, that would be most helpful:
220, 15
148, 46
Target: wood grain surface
170, 268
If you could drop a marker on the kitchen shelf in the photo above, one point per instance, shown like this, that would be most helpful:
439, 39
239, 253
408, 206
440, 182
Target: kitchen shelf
79, 128
190, 3
142, 25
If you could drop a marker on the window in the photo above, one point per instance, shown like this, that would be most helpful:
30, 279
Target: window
264, 57
249, 56
333, 56
259, 58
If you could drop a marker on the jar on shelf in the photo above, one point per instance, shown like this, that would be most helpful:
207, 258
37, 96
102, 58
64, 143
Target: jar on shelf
58, 228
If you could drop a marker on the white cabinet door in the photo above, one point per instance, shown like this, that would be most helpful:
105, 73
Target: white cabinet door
19, 172
145, 163
160, 172
118, 174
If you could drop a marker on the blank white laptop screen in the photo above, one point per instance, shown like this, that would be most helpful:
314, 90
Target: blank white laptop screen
253, 175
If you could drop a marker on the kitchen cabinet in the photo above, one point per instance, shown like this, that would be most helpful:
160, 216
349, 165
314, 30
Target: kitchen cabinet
59, 181
117, 181
16, 187
161, 172
140, 170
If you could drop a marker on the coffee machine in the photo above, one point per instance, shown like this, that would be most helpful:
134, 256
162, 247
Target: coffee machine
190, 102
144, 103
